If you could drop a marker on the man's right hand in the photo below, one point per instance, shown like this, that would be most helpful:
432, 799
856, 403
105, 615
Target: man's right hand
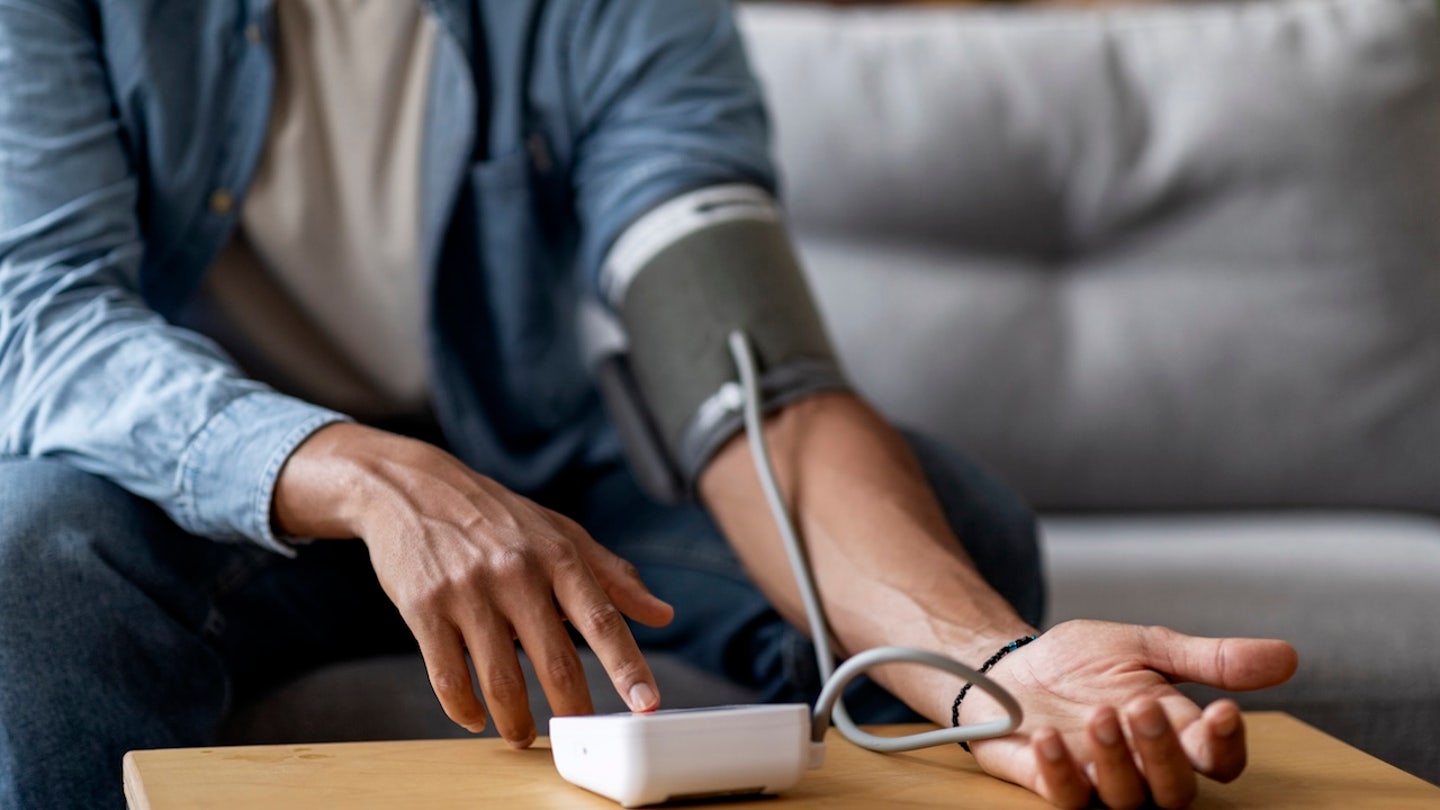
473, 566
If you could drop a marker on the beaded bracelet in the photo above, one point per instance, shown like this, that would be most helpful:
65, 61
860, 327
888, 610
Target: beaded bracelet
984, 668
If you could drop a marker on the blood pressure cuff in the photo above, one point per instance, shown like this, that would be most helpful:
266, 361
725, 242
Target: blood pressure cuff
681, 279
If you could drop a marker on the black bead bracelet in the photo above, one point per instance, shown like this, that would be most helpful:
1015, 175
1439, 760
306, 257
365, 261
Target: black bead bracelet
984, 668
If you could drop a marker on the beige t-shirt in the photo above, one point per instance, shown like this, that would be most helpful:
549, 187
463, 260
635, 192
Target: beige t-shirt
325, 279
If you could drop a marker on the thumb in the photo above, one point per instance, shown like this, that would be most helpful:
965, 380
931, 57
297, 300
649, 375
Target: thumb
1235, 664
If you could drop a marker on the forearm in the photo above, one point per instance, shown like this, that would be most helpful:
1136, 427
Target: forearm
887, 565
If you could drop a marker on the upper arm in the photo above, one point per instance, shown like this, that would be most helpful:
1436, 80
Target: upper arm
665, 102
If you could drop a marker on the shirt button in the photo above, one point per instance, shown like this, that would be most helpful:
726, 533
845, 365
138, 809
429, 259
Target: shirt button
221, 201
252, 33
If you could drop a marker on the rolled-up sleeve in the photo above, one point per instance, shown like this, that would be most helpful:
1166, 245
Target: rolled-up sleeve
667, 104
89, 374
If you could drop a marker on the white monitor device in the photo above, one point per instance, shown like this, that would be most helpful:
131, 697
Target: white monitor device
640, 759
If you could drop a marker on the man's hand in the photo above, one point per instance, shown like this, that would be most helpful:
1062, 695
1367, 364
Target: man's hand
1075, 744
473, 566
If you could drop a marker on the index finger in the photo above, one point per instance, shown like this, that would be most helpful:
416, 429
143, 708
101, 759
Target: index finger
593, 614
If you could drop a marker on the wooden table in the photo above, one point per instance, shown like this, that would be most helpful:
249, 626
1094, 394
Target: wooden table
1291, 766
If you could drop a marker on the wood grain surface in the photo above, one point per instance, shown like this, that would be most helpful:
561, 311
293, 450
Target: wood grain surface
1291, 766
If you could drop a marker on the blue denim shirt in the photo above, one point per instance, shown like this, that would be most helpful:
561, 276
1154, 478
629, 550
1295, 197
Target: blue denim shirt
129, 132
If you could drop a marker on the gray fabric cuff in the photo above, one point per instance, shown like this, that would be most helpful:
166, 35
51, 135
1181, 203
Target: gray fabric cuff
689, 274
721, 416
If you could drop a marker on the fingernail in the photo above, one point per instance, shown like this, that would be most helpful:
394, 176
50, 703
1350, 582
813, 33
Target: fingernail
1107, 731
475, 728
1151, 722
1228, 724
1051, 749
522, 742
642, 697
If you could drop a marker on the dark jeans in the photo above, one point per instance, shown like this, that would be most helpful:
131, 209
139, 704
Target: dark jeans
119, 631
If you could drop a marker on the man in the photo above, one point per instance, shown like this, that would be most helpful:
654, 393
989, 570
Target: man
386, 209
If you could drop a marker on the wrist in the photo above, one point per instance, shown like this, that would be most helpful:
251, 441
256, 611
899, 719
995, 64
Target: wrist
323, 485
983, 670
1005, 665
932, 692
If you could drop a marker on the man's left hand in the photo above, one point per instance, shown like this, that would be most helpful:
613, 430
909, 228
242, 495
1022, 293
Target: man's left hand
1104, 720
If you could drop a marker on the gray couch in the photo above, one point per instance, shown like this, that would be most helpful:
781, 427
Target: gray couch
1174, 273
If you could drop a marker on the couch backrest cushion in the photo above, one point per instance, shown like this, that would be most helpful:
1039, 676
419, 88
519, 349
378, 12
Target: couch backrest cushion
1169, 257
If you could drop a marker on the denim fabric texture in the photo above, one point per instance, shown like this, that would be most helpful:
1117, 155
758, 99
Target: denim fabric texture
130, 129
118, 630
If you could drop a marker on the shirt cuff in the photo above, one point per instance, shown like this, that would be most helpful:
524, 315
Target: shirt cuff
230, 467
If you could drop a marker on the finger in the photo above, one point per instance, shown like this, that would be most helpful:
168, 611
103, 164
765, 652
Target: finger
1236, 664
557, 664
601, 623
622, 583
444, 655
492, 653
1163, 762
1216, 744
1113, 771
618, 578
1181, 710
1059, 778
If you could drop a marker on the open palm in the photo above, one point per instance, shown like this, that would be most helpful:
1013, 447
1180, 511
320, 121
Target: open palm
1103, 717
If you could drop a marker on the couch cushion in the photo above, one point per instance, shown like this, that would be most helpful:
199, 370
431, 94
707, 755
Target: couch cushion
1179, 256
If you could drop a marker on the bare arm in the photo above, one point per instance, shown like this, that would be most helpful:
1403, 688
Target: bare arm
889, 568
1102, 715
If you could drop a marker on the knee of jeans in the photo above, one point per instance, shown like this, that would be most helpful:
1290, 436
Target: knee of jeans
55, 522
996, 526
